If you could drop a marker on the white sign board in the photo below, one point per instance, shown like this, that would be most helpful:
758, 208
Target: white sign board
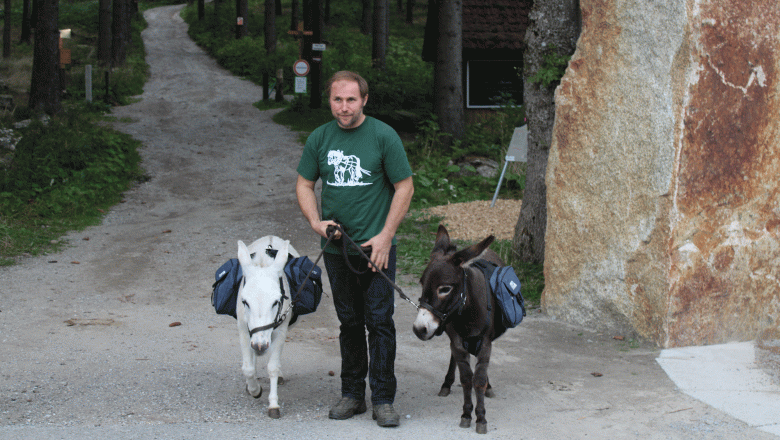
318, 47
517, 152
518, 146
300, 84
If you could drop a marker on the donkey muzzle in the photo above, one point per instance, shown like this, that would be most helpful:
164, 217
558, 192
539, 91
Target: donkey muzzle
259, 347
426, 325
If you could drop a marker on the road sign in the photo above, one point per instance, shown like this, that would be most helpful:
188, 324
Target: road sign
301, 68
318, 47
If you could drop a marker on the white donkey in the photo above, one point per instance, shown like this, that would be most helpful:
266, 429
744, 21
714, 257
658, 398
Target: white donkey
264, 310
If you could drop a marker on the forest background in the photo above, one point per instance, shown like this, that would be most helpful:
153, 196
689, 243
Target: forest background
64, 172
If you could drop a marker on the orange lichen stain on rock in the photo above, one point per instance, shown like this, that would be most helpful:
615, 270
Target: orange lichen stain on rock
699, 301
731, 107
773, 226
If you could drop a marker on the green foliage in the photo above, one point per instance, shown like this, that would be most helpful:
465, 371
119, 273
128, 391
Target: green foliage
405, 84
438, 181
416, 235
66, 172
270, 105
552, 69
81, 15
67, 167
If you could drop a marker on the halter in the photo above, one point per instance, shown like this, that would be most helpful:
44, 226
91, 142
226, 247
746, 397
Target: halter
280, 317
456, 307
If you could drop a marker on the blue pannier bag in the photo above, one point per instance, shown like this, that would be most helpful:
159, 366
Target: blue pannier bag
225, 289
505, 284
228, 279
310, 294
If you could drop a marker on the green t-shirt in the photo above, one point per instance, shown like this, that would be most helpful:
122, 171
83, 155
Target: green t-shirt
358, 168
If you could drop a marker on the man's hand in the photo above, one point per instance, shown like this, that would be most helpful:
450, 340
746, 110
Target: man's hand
380, 250
322, 229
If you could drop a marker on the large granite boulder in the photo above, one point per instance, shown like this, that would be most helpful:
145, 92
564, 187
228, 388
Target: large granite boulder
664, 172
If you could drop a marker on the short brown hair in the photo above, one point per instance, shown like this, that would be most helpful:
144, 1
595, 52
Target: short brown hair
349, 76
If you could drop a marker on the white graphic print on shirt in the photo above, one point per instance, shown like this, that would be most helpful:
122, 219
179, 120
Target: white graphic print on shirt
344, 165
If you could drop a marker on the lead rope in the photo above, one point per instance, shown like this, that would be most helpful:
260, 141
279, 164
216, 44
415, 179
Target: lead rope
363, 254
331, 231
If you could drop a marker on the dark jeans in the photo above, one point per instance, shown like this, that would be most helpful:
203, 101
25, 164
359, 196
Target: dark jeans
364, 302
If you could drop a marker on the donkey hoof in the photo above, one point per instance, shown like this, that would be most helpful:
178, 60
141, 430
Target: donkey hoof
464, 422
490, 393
280, 380
259, 393
481, 428
274, 413
444, 392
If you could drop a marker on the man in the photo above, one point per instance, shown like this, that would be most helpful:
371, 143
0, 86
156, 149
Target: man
366, 187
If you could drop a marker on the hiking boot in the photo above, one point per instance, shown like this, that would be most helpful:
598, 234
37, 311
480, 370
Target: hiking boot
385, 415
346, 408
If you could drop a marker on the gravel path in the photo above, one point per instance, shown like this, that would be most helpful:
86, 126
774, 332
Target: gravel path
91, 348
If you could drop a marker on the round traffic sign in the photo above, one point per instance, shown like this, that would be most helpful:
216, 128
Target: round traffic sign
301, 68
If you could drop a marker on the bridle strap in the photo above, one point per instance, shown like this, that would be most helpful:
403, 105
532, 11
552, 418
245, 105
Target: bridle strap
280, 317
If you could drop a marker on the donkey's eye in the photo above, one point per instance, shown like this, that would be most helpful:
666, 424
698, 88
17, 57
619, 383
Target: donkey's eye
276, 304
444, 290
246, 304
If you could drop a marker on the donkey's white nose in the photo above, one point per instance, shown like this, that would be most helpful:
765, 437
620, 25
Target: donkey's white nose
260, 348
425, 325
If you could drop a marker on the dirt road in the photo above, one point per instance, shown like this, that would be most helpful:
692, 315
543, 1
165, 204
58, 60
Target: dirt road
89, 351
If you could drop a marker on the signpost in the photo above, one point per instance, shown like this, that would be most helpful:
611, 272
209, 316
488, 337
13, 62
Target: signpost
301, 69
517, 152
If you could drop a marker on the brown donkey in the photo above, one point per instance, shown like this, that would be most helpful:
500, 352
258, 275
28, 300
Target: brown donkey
456, 299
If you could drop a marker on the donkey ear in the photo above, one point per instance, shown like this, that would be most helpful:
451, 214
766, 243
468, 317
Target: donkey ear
281, 255
443, 243
243, 254
472, 251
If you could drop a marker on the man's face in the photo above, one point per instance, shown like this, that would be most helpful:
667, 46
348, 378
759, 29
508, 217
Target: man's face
346, 103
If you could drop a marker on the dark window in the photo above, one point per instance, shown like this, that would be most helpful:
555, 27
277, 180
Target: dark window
489, 82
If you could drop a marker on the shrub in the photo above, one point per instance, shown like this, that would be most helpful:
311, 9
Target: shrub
67, 167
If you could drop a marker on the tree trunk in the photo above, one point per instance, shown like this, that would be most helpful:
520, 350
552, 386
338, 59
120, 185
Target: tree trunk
448, 71
45, 85
7, 29
34, 14
409, 11
279, 85
317, 24
26, 28
380, 35
554, 23
365, 22
119, 30
270, 42
294, 15
104, 32
201, 9
326, 12
242, 10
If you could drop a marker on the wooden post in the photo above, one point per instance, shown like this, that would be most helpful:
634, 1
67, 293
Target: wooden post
88, 82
